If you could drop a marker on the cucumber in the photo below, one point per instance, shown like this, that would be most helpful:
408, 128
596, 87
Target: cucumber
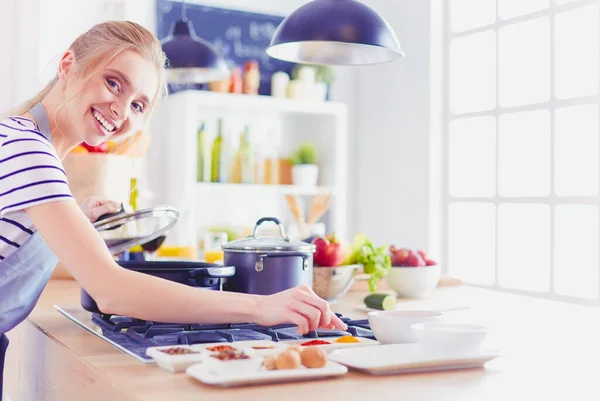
381, 301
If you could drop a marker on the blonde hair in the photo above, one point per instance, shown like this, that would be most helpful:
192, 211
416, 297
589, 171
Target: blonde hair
94, 49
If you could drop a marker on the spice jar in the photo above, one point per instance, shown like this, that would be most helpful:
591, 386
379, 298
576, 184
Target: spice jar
235, 84
279, 84
251, 78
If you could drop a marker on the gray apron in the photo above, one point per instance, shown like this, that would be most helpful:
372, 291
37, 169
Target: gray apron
26, 271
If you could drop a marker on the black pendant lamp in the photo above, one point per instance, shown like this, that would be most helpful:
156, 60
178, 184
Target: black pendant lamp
192, 59
335, 32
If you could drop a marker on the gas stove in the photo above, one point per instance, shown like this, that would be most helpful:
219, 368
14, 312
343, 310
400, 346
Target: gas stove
133, 336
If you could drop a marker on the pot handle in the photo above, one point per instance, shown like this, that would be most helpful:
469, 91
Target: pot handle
217, 272
259, 265
274, 220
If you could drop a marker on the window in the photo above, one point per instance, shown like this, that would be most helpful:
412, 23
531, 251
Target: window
521, 146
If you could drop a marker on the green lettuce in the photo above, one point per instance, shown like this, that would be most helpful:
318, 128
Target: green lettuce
375, 260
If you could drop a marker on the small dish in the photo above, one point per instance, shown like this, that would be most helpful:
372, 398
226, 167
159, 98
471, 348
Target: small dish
234, 366
333, 345
450, 338
394, 326
176, 362
233, 379
406, 358
261, 347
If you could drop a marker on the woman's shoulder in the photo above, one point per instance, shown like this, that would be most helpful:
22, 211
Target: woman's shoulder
20, 129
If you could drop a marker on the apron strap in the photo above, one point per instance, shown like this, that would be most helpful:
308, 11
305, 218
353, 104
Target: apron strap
41, 118
3, 347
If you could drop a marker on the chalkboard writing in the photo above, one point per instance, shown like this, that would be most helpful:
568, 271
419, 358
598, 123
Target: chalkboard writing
238, 35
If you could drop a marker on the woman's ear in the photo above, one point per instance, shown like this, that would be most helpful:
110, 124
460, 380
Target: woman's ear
65, 64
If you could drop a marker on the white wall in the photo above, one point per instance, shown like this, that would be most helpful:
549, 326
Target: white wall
390, 202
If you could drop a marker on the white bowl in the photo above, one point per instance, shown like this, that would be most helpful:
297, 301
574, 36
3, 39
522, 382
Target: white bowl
394, 327
450, 339
413, 282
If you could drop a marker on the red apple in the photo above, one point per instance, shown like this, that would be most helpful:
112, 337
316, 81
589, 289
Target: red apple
429, 262
329, 251
399, 257
414, 259
422, 253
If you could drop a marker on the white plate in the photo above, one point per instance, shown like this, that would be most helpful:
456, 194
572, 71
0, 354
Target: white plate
246, 346
405, 358
333, 346
174, 363
205, 375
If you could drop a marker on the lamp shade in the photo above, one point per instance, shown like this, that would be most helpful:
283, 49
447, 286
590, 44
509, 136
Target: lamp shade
192, 59
335, 32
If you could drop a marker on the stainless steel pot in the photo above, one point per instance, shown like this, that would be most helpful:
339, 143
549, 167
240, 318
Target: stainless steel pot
266, 265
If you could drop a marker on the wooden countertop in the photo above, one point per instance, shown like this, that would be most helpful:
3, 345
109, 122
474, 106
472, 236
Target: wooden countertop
550, 351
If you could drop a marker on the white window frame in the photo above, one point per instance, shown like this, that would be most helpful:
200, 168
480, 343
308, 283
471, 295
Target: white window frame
447, 117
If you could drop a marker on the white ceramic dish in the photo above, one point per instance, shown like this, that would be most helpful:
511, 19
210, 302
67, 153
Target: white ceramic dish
413, 282
174, 363
237, 345
333, 346
232, 367
204, 374
450, 338
394, 327
249, 347
405, 358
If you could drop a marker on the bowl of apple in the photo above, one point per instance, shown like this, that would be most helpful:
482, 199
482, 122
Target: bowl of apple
332, 278
413, 273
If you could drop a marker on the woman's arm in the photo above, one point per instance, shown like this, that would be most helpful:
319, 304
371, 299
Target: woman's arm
123, 292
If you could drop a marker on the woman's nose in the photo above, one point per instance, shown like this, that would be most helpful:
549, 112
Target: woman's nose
119, 111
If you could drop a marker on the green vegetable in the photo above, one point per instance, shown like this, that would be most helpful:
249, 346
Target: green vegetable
381, 301
375, 260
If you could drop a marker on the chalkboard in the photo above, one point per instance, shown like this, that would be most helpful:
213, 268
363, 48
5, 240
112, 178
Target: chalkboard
239, 36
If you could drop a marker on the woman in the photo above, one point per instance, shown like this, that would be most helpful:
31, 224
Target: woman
108, 82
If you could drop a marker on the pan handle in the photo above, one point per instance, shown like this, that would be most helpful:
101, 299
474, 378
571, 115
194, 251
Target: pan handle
274, 220
198, 276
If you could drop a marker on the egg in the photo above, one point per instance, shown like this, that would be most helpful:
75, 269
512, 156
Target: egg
314, 357
269, 362
296, 347
288, 360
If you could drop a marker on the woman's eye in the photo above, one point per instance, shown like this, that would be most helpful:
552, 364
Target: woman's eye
138, 107
113, 84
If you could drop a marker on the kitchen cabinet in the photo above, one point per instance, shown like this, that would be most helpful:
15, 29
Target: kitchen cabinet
277, 126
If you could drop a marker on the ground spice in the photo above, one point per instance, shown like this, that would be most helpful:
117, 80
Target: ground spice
315, 342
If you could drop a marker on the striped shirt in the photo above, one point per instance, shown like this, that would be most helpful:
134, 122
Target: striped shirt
30, 174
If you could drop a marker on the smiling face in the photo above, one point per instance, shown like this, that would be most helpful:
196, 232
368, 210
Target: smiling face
115, 101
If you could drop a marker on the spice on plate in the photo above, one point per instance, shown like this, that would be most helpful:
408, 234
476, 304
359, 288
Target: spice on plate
178, 351
315, 342
219, 348
230, 355
263, 347
347, 339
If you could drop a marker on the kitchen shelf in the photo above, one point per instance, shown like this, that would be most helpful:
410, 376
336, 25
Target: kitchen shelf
265, 188
260, 103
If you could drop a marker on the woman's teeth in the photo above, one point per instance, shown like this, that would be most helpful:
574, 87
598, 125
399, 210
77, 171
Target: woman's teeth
109, 127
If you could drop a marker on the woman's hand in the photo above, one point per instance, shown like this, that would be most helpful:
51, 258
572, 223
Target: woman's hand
300, 306
94, 207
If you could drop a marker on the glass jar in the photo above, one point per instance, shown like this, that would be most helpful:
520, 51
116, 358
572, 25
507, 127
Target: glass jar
251, 78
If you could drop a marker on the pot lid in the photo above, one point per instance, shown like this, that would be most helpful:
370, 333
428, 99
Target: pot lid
124, 230
254, 244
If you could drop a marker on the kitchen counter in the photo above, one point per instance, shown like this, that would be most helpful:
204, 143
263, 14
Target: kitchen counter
550, 351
